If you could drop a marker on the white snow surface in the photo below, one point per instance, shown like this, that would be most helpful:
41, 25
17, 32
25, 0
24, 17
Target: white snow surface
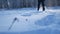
26, 19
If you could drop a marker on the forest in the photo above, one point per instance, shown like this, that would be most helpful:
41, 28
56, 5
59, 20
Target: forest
26, 3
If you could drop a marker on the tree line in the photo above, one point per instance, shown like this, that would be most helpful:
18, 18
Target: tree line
26, 3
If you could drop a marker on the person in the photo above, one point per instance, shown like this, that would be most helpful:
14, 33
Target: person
41, 2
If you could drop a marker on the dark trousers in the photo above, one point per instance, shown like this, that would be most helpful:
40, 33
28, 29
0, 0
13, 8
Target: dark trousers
39, 3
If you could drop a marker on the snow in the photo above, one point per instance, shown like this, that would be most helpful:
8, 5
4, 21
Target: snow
30, 21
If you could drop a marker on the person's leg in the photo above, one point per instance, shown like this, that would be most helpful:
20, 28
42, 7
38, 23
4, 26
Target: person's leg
43, 6
38, 5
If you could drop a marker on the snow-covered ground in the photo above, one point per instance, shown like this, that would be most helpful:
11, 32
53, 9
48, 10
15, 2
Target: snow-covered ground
30, 21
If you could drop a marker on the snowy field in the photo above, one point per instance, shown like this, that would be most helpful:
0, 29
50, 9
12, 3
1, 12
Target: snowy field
30, 21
